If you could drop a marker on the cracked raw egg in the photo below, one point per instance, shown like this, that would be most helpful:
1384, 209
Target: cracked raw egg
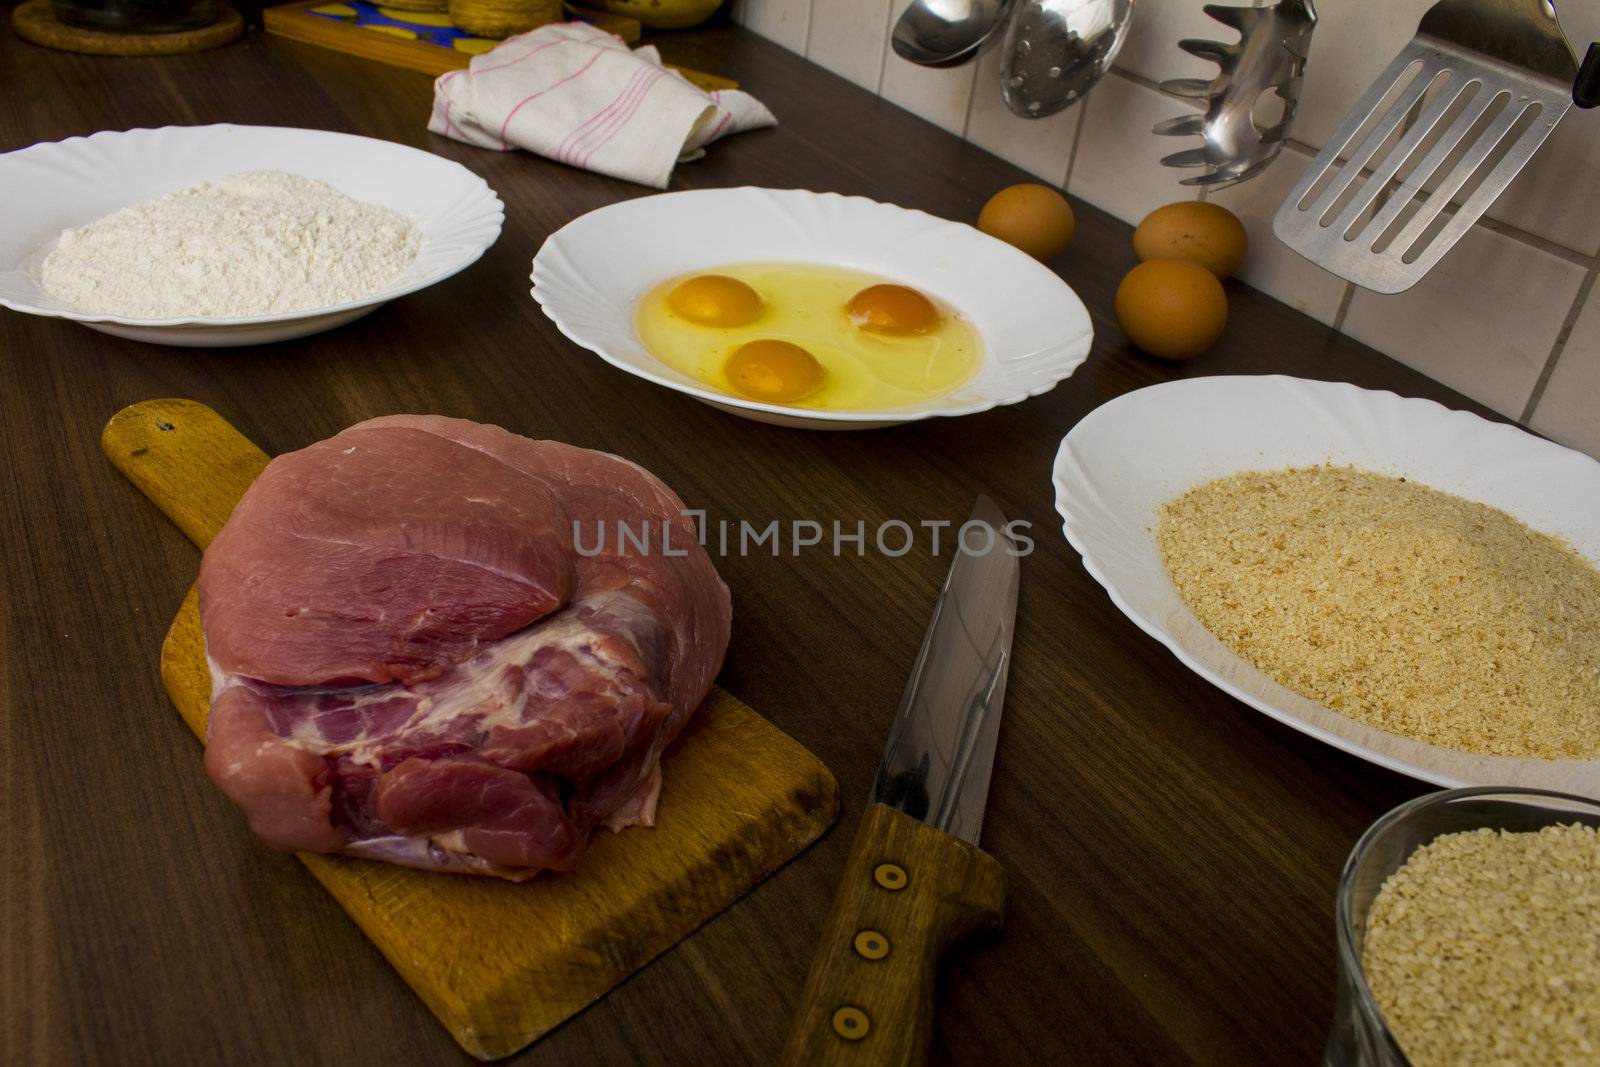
715, 300
778, 372
893, 309
808, 335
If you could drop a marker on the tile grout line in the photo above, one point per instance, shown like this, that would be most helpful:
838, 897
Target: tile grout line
972, 94
883, 53
1135, 78
1155, 87
1077, 139
1345, 299
1549, 369
805, 48
1139, 79
1533, 240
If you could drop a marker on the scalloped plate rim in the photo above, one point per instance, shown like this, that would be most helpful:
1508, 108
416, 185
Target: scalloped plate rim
879, 416
494, 215
1073, 530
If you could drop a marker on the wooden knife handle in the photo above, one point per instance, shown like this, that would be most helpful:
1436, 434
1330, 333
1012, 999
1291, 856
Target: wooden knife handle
909, 891
186, 458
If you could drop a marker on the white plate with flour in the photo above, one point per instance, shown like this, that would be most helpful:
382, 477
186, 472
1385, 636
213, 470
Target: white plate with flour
1129, 456
68, 184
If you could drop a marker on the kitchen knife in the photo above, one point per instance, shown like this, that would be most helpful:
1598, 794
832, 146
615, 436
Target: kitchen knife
916, 880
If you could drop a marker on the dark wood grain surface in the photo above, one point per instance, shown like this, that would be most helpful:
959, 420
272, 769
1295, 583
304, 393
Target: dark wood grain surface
1171, 854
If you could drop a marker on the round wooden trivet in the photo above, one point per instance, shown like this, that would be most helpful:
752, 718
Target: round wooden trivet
34, 21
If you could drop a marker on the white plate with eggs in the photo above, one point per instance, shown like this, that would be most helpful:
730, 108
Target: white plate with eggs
69, 184
591, 276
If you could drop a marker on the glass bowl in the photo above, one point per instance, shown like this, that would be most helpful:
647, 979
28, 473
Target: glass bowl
1360, 1036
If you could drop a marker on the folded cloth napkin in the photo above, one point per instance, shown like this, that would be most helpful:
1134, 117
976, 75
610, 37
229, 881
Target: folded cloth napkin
580, 96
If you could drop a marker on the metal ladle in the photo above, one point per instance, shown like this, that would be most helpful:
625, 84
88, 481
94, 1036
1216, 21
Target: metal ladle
1057, 49
946, 33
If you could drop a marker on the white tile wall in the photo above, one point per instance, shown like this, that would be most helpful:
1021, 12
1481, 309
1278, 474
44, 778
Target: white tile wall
1152, 50
1483, 320
1557, 195
848, 37
1570, 410
1352, 44
940, 96
1496, 319
1042, 146
1118, 166
785, 21
1269, 264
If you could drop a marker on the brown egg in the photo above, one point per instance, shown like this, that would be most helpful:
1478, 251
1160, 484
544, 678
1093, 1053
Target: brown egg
1203, 233
1172, 308
1034, 218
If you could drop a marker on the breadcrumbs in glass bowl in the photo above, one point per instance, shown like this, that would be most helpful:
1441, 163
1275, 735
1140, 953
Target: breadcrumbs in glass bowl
1468, 926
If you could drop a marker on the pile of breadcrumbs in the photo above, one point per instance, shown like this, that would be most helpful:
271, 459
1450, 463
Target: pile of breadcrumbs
1485, 948
1403, 607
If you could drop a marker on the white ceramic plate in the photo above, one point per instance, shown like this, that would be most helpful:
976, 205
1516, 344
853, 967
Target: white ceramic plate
1129, 456
589, 275
73, 182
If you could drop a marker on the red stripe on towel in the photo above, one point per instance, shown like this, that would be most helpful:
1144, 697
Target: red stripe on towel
512, 114
569, 147
618, 126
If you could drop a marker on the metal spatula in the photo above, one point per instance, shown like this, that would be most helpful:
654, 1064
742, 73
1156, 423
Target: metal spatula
1464, 106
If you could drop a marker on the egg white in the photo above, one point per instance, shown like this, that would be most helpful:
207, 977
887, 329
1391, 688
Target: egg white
805, 304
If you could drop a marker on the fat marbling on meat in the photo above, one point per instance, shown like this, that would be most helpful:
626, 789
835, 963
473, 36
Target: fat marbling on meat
412, 659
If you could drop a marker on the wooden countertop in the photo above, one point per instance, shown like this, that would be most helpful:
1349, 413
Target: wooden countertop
1172, 854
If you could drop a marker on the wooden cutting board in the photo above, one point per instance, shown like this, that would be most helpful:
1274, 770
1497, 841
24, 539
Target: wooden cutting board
501, 964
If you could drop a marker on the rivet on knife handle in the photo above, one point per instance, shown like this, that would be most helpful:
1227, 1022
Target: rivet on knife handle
907, 893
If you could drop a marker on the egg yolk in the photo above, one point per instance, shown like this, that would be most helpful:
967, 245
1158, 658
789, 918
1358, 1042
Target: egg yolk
893, 309
775, 371
715, 300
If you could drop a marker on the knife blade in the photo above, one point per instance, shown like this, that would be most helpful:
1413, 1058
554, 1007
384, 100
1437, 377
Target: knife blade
916, 881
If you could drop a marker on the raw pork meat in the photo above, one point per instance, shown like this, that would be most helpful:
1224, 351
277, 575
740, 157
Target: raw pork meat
413, 660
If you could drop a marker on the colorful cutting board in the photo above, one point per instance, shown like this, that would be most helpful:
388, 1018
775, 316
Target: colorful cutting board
419, 40
500, 964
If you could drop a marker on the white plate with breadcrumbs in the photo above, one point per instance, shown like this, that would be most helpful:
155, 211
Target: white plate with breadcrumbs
1127, 458
590, 275
62, 185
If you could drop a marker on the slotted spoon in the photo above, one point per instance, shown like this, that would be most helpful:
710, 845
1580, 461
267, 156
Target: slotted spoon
1472, 97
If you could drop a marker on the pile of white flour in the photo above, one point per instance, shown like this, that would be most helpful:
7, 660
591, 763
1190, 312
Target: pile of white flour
257, 243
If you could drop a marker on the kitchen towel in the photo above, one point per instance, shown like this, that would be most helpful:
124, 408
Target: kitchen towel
580, 96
